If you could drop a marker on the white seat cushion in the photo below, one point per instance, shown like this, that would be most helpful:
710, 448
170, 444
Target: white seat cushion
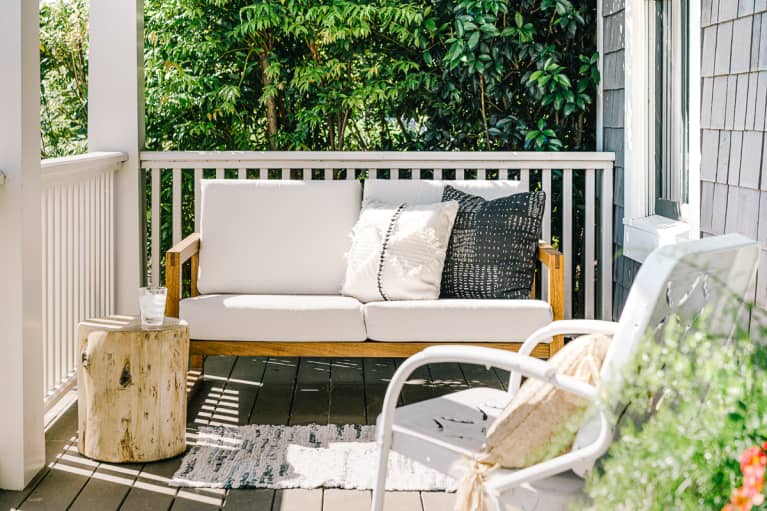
426, 191
275, 237
456, 320
273, 318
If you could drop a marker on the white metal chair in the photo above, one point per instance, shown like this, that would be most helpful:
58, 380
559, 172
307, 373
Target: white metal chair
444, 432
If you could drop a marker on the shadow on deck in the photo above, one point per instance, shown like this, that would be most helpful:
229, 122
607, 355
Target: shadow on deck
247, 390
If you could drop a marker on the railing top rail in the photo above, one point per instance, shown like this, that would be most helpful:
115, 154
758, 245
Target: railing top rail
376, 159
68, 167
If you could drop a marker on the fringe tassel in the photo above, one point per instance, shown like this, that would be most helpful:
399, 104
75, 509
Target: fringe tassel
471, 490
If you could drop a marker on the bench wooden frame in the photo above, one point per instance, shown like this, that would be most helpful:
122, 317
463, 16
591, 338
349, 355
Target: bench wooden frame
189, 249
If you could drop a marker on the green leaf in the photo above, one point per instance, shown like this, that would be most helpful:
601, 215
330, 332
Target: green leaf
473, 40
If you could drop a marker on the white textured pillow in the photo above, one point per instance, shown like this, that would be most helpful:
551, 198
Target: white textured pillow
398, 251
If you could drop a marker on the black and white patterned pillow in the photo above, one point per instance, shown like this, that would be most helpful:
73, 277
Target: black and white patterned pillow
493, 246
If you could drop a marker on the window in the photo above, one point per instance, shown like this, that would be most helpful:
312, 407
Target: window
668, 62
662, 132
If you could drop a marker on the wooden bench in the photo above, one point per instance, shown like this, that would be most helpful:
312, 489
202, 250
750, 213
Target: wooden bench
552, 262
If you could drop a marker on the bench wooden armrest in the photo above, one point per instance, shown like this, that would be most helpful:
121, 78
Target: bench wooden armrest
554, 261
188, 248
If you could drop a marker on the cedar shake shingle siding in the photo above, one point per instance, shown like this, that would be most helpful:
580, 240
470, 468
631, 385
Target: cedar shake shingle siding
733, 111
733, 121
624, 269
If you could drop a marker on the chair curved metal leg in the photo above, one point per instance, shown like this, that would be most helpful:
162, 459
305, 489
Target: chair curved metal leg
383, 441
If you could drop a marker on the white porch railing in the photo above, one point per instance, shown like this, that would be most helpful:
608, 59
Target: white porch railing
581, 185
78, 257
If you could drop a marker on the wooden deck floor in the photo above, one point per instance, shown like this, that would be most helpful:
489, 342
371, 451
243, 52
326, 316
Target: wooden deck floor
246, 390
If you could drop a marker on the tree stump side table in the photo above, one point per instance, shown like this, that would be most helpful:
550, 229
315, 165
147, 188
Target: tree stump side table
132, 389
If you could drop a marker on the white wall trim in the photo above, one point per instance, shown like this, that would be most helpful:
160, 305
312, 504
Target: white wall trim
600, 117
696, 45
22, 441
642, 229
116, 123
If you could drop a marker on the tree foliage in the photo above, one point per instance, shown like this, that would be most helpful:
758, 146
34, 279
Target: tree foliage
341, 75
381, 75
63, 77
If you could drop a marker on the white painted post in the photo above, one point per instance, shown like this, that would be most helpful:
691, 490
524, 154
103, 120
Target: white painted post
116, 123
22, 442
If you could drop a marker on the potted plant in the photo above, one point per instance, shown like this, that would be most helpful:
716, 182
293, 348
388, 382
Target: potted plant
692, 436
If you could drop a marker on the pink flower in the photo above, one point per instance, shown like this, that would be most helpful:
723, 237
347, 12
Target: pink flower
753, 463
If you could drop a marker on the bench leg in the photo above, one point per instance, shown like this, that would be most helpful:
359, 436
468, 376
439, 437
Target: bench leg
196, 363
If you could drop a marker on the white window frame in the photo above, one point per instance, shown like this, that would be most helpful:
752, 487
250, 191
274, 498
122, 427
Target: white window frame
643, 229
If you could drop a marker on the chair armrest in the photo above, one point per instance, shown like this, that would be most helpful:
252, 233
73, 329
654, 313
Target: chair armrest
188, 248
488, 357
567, 326
559, 328
502, 359
554, 261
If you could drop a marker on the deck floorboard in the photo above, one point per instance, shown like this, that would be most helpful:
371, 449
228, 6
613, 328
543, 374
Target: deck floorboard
238, 391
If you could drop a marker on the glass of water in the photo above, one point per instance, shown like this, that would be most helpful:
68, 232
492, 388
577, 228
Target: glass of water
152, 304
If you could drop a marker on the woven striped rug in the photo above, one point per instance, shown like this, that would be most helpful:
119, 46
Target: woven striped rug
315, 456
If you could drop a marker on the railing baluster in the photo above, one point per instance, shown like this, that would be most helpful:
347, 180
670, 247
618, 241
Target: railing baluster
567, 235
590, 236
111, 257
503, 174
460, 174
92, 248
57, 305
220, 174
67, 291
606, 259
176, 209
524, 181
75, 296
44, 271
197, 197
242, 173
84, 251
155, 251
328, 174
482, 174
101, 252
546, 230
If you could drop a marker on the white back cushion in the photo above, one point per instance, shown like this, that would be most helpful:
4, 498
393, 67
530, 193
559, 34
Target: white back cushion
278, 237
425, 191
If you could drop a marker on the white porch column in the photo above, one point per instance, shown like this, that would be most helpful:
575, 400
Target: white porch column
22, 442
116, 123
